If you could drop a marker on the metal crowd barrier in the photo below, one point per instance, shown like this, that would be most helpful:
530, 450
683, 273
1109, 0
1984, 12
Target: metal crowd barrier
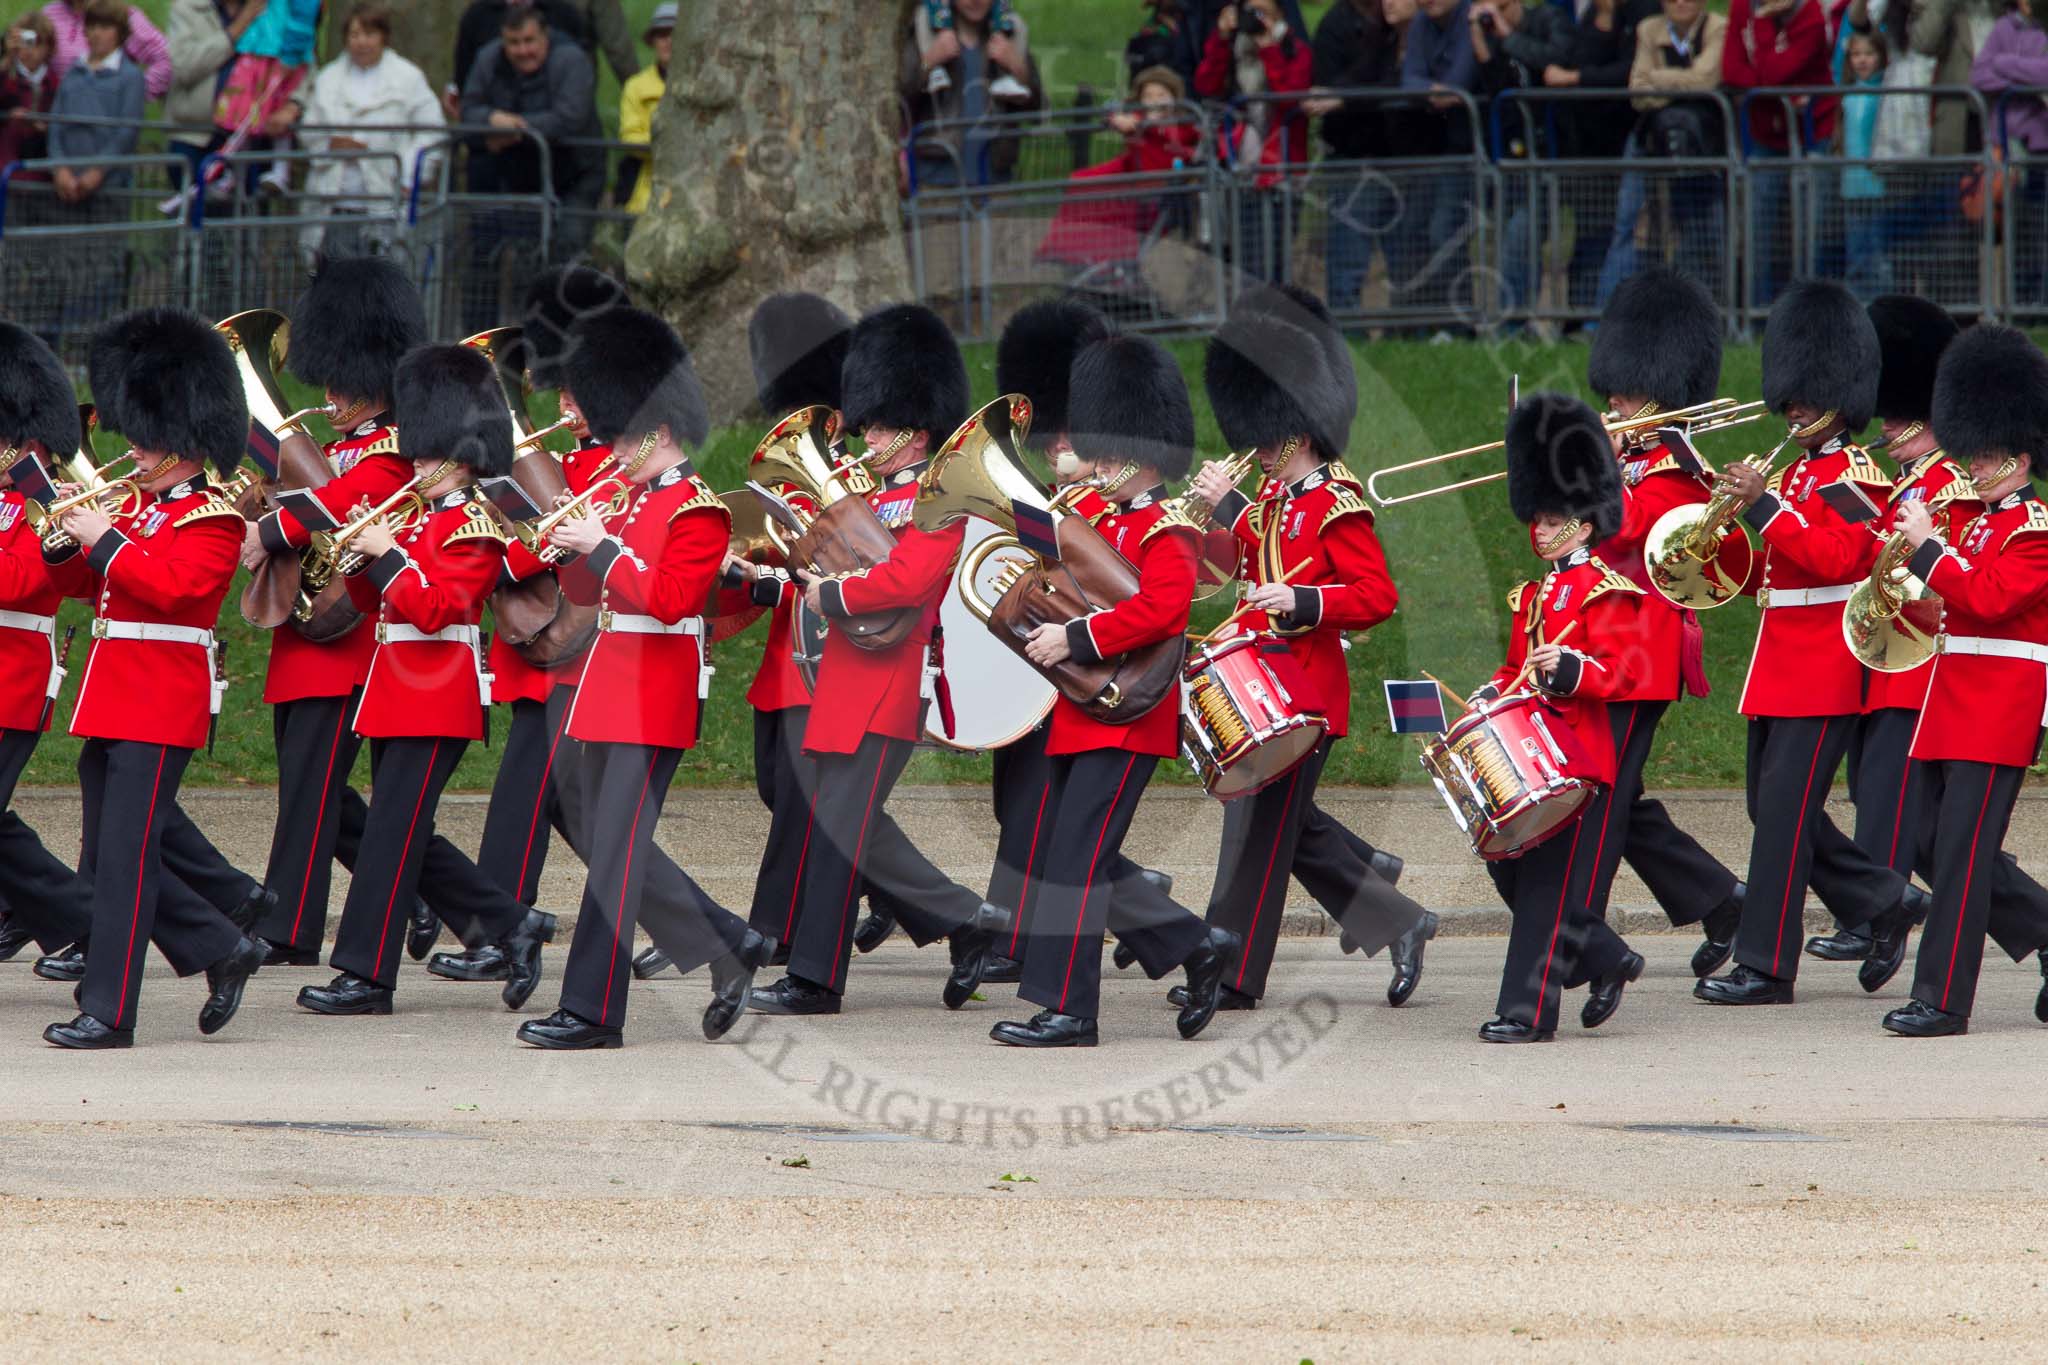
2011, 195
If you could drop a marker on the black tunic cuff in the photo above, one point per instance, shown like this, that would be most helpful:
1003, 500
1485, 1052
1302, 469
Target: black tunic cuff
1231, 508
1564, 679
767, 589
1762, 510
270, 531
1307, 611
386, 567
1080, 643
1925, 558
104, 550
832, 600
604, 556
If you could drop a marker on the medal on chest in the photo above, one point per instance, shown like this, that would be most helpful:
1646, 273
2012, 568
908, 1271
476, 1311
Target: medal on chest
153, 521
893, 506
1560, 597
10, 512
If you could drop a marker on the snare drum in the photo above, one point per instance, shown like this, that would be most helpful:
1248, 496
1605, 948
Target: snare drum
1513, 773
1241, 725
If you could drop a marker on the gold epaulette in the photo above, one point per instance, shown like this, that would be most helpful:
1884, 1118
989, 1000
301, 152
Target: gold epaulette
1610, 581
1340, 473
387, 444
1255, 515
2037, 519
1343, 502
1666, 463
214, 506
702, 497
1518, 595
1173, 516
478, 523
1957, 489
1864, 470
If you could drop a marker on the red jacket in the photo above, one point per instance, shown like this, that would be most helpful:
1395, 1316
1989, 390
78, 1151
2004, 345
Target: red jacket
367, 467
777, 685
512, 677
434, 579
660, 562
1319, 521
1164, 550
1988, 708
881, 691
28, 658
1601, 648
1802, 666
1782, 50
1667, 644
170, 564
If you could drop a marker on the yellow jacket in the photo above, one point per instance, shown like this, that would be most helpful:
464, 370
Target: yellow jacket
638, 99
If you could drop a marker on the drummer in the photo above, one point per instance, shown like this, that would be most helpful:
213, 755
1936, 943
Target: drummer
1571, 640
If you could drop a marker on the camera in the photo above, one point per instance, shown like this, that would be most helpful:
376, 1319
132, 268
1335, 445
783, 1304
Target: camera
1489, 25
26, 37
1252, 22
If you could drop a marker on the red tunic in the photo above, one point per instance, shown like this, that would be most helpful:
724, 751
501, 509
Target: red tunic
1319, 521
1655, 484
28, 658
881, 691
777, 685
1604, 604
1988, 707
512, 677
660, 561
1164, 549
434, 579
367, 468
1802, 666
170, 564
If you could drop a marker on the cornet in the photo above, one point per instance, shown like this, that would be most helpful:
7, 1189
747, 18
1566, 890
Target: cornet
126, 492
404, 507
534, 534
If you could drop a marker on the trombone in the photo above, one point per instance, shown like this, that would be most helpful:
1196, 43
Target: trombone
1716, 414
98, 489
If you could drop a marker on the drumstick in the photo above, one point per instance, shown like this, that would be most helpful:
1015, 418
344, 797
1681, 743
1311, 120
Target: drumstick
1520, 677
1443, 687
1231, 619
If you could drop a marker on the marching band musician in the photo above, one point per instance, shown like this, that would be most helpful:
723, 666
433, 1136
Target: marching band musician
47, 901
1276, 391
905, 390
358, 316
1564, 484
1129, 407
1805, 689
156, 577
1981, 725
423, 701
652, 565
1658, 349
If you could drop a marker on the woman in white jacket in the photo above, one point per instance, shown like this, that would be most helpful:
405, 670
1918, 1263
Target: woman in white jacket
368, 86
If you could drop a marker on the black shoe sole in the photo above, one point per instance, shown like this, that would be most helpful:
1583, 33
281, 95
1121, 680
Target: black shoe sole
373, 1007
1919, 1033
558, 1045
647, 969
125, 1038
1784, 999
754, 1004
501, 974
1541, 1036
1086, 1040
1831, 949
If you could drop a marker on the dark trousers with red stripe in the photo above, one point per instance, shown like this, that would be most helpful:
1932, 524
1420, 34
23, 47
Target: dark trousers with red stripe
1280, 832
401, 858
1972, 804
45, 897
1094, 796
852, 842
1792, 763
524, 806
130, 795
1556, 939
200, 867
318, 812
1686, 880
1890, 791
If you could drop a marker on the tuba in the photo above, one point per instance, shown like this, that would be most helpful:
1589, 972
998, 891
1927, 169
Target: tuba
1892, 619
980, 472
296, 590
1695, 555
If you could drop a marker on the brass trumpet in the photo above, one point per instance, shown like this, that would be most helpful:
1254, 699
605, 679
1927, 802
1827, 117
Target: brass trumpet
1716, 414
99, 488
1685, 549
404, 507
534, 534
1892, 618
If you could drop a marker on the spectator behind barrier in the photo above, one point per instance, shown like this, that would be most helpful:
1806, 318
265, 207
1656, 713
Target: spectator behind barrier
144, 45
1103, 233
1867, 261
1778, 43
638, 100
1198, 20
1253, 52
532, 80
1358, 46
28, 87
1159, 41
104, 84
203, 34
1948, 31
273, 58
479, 27
966, 61
368, 89
2014, 55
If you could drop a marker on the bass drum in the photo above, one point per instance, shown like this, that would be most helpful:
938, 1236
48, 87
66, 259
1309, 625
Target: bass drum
997, 697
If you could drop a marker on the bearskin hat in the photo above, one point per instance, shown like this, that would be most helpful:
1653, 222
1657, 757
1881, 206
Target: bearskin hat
1991, 396
798, 346
167, 381
1911, 335
1820, 348
1269, 380
449, 406
1130, 402
1561, 461
903, 370
1659, 338
632, 373
355, 321
37, 404
555, 303
1293, 304
1035, 357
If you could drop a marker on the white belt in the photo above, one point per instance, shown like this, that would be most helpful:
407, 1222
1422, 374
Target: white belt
1981, 644
21, 620
398, 632
624, 623
1803, 597
103, 629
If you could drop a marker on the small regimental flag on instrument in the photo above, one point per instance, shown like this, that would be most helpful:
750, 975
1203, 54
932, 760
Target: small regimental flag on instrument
262, 449
1036, 530
1415, 708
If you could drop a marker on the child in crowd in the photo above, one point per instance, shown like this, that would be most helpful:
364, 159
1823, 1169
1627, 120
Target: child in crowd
1863, 207
1106, 227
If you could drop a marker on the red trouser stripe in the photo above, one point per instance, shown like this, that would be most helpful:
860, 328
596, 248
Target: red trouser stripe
796, 884
1798, 834
1557, 924
1898, 817
319, 820
404, 854
1088, 884
1030, 866
853, 872
1244, 960
611, 967
1969, 875
142, 863
540, 799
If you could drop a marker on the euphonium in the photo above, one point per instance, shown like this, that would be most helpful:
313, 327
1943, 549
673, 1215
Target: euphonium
804, 452
1691, 559
402, 508
258, 339
1892, 618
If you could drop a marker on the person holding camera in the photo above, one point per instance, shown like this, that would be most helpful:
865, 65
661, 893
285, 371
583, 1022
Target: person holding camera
966, 61
1678, 52
1514, 44
1254, 55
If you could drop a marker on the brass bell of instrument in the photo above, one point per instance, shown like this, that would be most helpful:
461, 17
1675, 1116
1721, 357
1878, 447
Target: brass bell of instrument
1892, 619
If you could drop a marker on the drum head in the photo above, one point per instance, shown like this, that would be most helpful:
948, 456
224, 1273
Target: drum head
997, 697
1270, 762
1533, 821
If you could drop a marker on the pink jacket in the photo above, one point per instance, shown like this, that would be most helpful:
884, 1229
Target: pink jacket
145, 47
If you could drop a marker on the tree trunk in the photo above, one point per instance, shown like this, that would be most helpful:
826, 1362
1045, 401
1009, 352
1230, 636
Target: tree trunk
422, 34
774, 155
